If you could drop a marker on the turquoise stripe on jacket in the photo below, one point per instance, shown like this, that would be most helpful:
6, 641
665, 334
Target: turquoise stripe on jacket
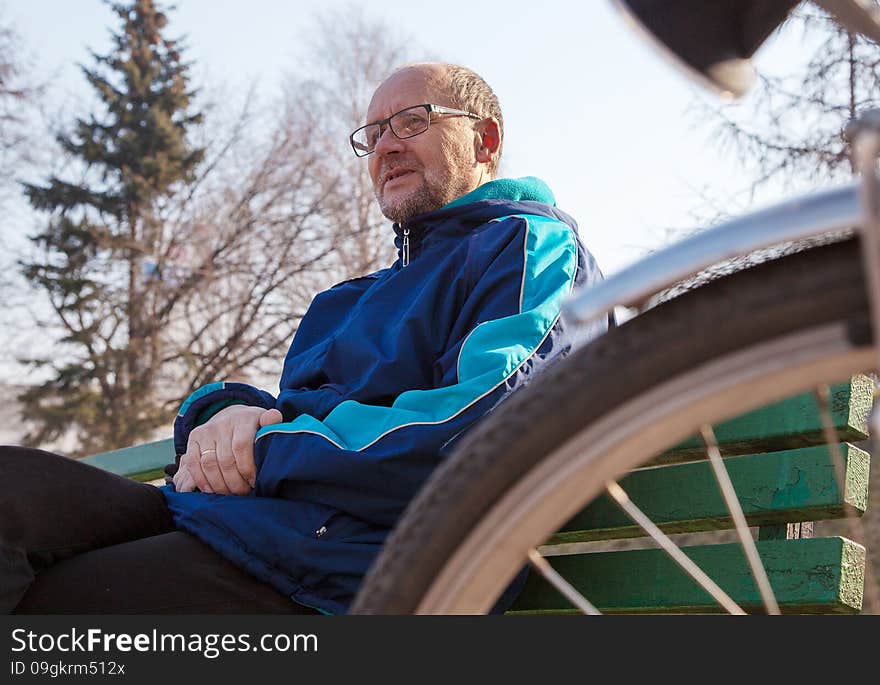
494, 350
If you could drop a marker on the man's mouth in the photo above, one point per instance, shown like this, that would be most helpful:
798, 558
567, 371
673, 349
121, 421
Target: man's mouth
395, 174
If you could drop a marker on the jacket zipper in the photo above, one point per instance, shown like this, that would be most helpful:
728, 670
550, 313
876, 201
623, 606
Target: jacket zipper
405, 257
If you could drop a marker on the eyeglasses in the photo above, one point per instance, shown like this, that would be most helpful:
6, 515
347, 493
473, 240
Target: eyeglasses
406, 123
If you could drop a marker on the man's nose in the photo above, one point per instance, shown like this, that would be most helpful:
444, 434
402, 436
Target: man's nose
388, 142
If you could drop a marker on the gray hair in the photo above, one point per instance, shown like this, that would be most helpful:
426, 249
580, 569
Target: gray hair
468, 90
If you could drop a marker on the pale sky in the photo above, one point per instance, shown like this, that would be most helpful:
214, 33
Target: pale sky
588, 106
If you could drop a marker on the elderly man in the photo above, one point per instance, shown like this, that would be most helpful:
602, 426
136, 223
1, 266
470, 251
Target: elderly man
280, 504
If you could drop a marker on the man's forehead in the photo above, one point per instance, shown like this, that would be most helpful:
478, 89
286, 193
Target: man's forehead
411, 86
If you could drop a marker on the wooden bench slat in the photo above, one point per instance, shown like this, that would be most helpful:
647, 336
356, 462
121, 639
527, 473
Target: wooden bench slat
813, 575
780, 487
791, 423
140, 462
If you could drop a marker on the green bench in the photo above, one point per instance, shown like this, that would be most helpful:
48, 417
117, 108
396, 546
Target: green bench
783, 474
141, 462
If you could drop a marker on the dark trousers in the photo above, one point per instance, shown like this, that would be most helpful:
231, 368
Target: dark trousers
78, 540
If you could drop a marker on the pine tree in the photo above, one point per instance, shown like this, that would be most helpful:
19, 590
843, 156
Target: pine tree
98, 260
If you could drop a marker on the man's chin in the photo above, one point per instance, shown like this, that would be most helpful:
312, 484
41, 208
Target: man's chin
400, 207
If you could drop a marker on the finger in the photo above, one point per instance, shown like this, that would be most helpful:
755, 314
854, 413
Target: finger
270, 416
183, 481
234, 482
177, 480
193, 462
243, 451
211, 469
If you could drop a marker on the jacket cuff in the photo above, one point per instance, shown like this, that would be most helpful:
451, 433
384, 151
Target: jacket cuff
210, 399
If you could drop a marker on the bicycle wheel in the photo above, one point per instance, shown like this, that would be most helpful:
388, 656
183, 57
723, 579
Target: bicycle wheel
737, 343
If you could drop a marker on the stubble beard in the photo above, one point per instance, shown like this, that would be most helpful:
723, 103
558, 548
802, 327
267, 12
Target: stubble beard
423, 199
436, 190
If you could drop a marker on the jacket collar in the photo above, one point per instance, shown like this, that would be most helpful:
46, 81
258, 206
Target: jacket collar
486, 202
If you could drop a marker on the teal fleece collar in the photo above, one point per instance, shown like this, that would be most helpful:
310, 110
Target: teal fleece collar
509, 189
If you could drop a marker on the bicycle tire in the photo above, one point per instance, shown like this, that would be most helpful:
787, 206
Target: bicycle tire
774, 329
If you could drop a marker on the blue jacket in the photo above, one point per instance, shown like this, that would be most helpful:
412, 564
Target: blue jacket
385, 372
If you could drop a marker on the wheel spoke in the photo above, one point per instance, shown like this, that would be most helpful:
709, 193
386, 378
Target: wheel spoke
739, 520
567, 589
618, 494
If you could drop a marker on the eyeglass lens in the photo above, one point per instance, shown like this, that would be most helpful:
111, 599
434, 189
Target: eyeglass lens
405, 124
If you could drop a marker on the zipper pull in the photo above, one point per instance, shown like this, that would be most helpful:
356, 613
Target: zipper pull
405, 258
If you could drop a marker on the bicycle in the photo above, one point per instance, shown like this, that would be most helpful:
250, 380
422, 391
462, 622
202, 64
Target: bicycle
798, 321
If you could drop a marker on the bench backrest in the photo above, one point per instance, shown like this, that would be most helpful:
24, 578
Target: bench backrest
139, 462
783, 474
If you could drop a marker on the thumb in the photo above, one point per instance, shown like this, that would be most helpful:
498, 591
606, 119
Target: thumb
270, 416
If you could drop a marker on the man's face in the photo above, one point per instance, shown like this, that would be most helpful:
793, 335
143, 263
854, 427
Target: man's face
423, 173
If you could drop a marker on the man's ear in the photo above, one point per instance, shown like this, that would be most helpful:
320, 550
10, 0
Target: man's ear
488, 139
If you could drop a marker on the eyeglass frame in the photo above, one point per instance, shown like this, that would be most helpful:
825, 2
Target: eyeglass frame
386, 122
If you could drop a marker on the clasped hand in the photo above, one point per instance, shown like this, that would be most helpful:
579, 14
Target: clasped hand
220, 453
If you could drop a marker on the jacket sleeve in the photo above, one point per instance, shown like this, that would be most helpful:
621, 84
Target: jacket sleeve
370, 460
202, 404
